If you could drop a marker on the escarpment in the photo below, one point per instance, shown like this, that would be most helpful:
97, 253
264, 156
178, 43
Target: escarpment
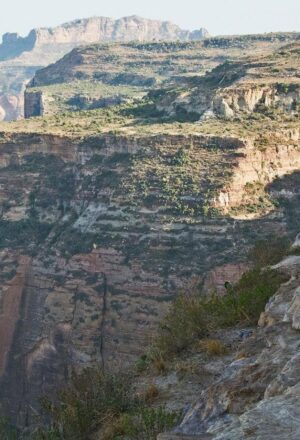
92, 30
253, 85
21, 57
144, 178
97, 235
105, 74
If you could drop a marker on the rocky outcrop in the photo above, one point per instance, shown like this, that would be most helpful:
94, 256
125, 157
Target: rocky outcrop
259, 164
257, 394
253, 85
34, 104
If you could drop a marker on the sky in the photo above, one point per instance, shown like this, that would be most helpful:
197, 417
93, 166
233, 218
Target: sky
220, 17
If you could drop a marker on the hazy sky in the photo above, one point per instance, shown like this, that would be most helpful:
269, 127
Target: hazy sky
218, 16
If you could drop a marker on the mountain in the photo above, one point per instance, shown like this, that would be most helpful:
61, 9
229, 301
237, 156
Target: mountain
108, 213
95, 29
104, 74
20, 56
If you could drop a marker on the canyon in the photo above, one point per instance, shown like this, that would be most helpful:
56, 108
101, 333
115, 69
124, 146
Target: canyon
110, 209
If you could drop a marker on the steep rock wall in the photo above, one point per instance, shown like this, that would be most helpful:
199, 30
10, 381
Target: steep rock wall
100, 264
260, 163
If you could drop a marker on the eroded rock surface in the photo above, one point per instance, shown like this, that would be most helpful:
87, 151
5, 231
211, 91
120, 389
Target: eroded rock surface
257, 396
233, 89
106, 255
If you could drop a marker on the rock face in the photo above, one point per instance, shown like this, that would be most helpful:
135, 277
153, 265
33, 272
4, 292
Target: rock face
90, 260
100, 230
257, 395
95, 29
260, 166
46, 45
234, 89
34, 104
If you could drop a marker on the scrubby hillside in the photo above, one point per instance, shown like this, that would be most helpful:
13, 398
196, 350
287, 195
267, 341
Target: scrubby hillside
105, 74
251, 85
20, 56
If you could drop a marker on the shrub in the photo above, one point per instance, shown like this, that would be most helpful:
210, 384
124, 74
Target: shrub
7, 432
142, 363
268, 252
98, 402
151, 393
185, 322
144, 424
193, 317
147, 423
88, 401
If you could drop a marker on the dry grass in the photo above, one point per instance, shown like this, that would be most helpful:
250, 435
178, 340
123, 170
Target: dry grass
184, 368
159, 365
213, 347
151, 393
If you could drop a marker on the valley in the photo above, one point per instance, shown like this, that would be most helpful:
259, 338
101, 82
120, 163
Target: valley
141, 172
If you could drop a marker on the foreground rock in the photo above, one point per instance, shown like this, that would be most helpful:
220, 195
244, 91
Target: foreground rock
258, 395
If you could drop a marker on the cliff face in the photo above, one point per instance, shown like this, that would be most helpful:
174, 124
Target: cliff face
95, 29
253, 85
44, 46
264, 161
92, 254
256, 394
131, 28
107, 214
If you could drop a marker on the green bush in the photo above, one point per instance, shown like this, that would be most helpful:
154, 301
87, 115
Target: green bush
147, 423
105, 403
191, 318
88, 401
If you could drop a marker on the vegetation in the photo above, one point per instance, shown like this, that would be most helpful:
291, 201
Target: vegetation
95, 401
194, 317
24, 232
269, 252
109, 404
7, 432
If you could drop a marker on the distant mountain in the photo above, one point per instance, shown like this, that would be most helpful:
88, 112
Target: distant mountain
21, 57
95, 29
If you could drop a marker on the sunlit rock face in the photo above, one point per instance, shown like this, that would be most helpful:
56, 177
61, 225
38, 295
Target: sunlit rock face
21, 57
90, 261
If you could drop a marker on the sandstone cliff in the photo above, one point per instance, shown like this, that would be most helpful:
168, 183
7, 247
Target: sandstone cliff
107, 214
101, 239
95, 29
